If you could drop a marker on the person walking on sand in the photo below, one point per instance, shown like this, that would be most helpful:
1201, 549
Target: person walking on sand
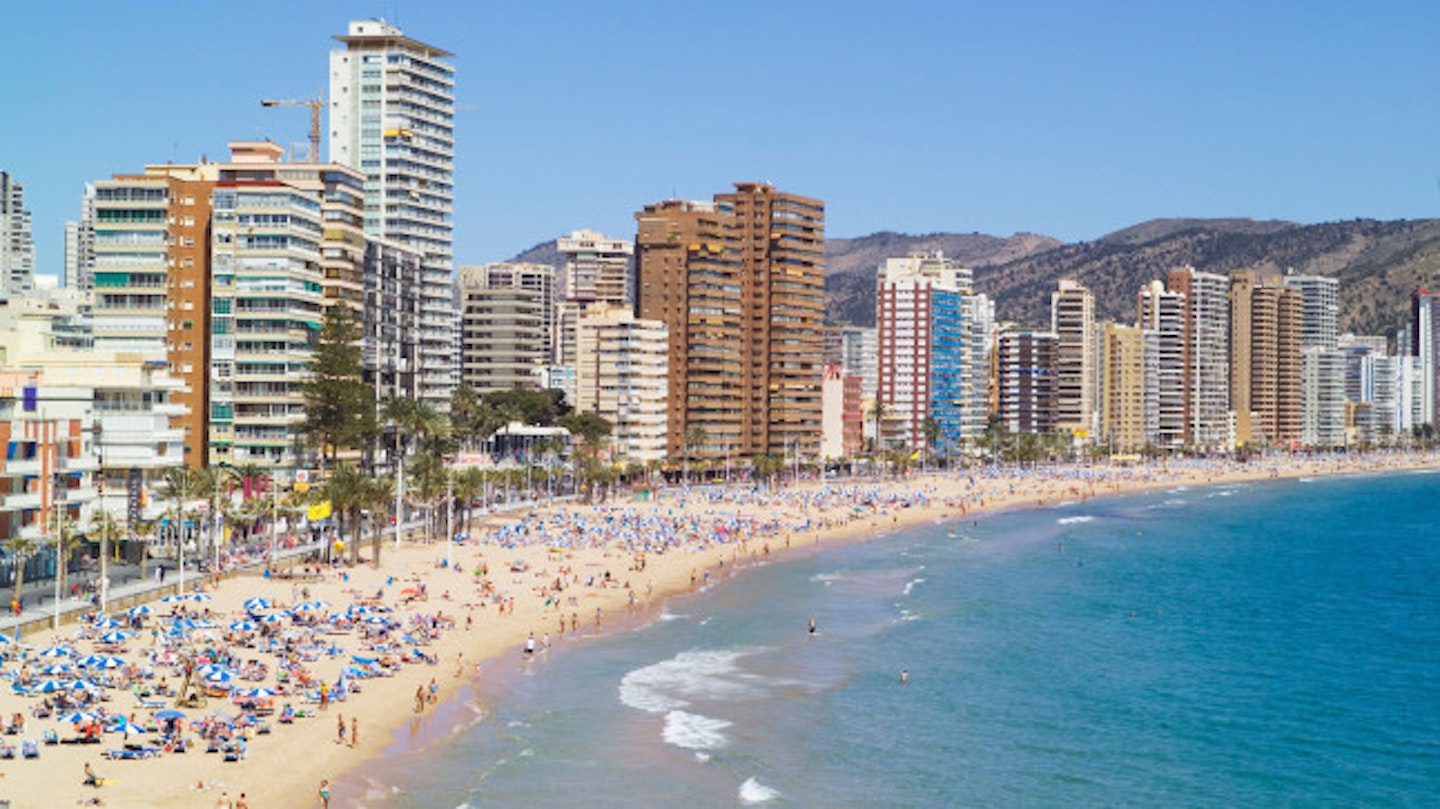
324, 793
354, 731
341, 739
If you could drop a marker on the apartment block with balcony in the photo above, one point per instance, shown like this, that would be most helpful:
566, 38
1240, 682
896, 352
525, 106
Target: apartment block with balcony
622, 375
1025, 381
505, 324
17, 242
267, 298
688, 277
392, 116
1072, 321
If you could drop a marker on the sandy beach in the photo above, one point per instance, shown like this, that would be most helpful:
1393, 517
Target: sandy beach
373, 644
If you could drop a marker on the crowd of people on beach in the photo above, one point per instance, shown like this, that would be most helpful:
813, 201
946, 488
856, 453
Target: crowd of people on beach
172, 677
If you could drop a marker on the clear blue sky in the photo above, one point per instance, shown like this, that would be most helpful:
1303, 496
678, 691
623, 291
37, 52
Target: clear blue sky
1063, 118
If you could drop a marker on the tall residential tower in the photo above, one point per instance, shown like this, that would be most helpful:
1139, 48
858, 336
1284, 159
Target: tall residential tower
392, 115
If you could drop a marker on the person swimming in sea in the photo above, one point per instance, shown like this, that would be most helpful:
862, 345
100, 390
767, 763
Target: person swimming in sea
812, 627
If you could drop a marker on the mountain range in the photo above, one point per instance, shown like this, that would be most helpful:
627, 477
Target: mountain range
1378, 263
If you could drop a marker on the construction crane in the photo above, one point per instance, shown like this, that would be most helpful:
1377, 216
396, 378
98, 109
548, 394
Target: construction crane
315, 103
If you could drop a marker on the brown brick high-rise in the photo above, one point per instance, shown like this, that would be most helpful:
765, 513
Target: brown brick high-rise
740, 284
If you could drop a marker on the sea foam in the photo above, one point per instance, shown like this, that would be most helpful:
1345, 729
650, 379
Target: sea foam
700, 674
753, 791
693, 731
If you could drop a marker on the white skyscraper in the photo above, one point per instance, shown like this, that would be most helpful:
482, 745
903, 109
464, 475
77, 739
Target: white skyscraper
80, 245
17, 245
392, 115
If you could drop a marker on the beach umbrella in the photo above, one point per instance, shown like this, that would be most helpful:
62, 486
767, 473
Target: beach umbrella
143, 609
311, 605
273, 617
114, 637
258, 692
244, 626
198, 597
47, 687
77, 717
57, 668
219, 678
106, 622
57, 651
256, 604
377, 619
171, 599
169, 713
102, 662
78, 685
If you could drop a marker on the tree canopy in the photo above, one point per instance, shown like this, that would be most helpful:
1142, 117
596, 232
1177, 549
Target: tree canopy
339, 403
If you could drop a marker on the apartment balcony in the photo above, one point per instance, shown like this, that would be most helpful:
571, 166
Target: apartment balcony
22, 466
21, 500
81, 494
81, 463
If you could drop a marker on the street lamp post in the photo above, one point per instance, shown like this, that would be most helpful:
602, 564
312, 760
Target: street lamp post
104, 521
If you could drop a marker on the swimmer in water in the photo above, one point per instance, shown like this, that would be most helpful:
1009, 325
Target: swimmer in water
904, 676
812, 627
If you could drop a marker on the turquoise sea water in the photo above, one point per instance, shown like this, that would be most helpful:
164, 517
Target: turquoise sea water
1262, 645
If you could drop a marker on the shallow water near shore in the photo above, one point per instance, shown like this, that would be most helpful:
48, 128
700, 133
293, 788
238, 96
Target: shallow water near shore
1225, 646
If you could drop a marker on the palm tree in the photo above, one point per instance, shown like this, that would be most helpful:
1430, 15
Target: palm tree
379, 493
21, 549
590, 429
65, 539
695, 438
429, 478
930, 429
469, 485
346, 488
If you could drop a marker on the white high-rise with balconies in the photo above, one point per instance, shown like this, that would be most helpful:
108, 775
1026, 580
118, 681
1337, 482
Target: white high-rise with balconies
392, 115
17, 244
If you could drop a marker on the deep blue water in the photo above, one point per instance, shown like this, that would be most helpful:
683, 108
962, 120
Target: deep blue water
1265, 645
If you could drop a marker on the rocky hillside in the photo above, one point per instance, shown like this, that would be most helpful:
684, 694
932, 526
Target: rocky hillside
1378, 263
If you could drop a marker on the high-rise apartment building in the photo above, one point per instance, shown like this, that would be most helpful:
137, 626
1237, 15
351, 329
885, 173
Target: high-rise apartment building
930, 363
1072, 321
780, 240
1265, 366
621, 375
391, 349
1025, 381
392, 116
739, 284
266, 297
1206, 357
17, 241
597, 271
1323, 371
1129, 390
80, 245
505, 324
152, 281
1162, 311
688, 277
859, 353
1424, 346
